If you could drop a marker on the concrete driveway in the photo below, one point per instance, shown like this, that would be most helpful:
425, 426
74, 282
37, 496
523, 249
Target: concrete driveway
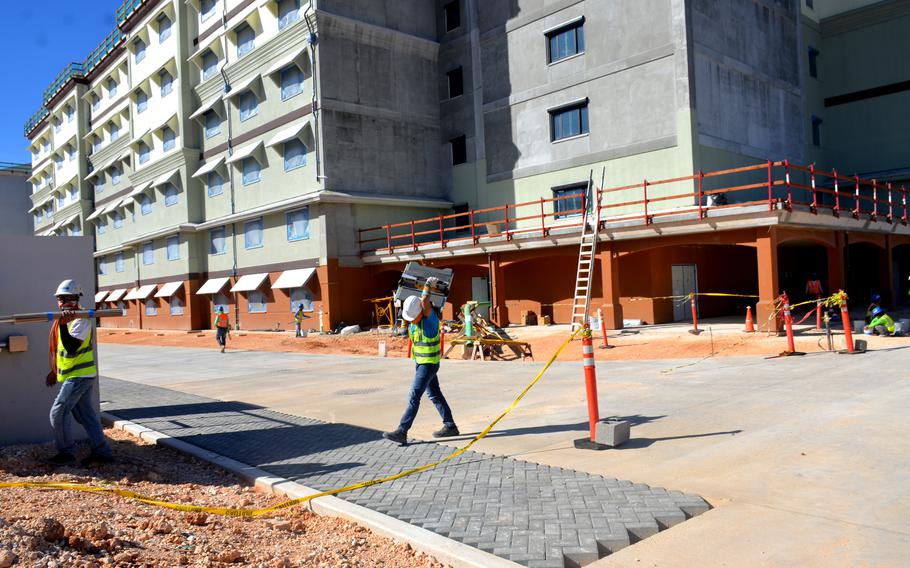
805, 459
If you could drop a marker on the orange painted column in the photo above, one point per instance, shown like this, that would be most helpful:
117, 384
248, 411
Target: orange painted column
501, 315
330, 292
768, 291
836, 265
608, 262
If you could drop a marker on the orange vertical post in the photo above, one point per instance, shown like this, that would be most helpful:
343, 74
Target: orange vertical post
818, 315
587, 350
694, 330
788, 322
845, 317
603, 327
750, 324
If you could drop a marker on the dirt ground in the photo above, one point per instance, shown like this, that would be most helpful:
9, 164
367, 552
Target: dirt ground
643, 343
42, 528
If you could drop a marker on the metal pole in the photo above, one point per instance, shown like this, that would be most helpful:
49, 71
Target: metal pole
39, 317
770, 187
644, 187
836, 196
701, 213
814, 190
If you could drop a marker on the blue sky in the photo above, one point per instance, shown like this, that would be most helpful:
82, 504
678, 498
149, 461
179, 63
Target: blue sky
41, 37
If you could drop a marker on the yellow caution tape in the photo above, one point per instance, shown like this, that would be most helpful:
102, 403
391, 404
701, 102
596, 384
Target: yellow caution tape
229, 512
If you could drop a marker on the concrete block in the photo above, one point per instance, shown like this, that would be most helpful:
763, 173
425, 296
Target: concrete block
611, 432
18, 343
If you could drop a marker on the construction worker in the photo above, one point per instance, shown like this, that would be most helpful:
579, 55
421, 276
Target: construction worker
881, 323
222, 325
814, 287
875, 302
72, 359
298, 319
424, 331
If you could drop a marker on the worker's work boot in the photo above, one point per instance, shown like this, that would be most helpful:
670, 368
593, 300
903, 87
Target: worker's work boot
396, 436
62, 458
446, 432
222, 348
95, 457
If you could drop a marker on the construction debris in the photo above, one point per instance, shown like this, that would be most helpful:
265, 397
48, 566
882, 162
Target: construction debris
477, 337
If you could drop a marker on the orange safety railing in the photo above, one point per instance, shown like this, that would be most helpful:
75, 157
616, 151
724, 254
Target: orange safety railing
777, 184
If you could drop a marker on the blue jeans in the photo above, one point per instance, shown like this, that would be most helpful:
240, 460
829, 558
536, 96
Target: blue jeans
221, 336
75, 399
298, 329
425, 380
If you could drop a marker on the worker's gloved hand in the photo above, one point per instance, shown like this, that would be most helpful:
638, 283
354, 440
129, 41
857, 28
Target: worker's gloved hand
68, 316
432, 282
51, 379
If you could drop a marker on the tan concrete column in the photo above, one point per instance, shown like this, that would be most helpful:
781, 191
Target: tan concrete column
768, 291
500, 313
608, 260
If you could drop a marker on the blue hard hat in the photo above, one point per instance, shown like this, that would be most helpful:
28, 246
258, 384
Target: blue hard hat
877, 310
876, 298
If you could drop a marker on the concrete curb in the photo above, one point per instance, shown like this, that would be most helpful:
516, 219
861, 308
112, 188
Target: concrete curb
445, 550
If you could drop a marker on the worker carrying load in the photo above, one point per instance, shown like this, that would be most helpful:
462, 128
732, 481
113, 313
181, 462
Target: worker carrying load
881, 323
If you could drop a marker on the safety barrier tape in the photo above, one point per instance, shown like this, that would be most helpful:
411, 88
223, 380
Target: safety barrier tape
230, 512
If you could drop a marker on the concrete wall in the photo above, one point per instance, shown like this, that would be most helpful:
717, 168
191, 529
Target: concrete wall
29, 287
14, 204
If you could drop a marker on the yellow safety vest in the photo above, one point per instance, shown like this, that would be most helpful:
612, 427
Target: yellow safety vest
425, 350
79, 364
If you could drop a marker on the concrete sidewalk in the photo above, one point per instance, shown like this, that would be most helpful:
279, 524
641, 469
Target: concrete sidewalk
803, 459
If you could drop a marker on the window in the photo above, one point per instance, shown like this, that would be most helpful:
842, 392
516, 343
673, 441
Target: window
143, 152
102, 265
46, 146
816, 131
138, 50
220, 301
61, 200
566, 41
810, 4
77, 230
176, 306
164, 28
459, 150
118, 219
813, 62
99, 184
151, 307
148, 253
74, 193
212, 123
170, 194
114, 130
58, 124
288, 12
215, 184
70, 113
167, 82
569, 121
571, 200
209, 64
291, 82
59, 161
96, 143
170, 138
256, 302
216, 241
249, 105
301, 296
39, 216
456, 83
111, 88
102, 226
116, 175
96, 101
70, 153
452, 13
145, 204
252, 234
294, 155
246, 40
251, 171
118, 262
206, 9
142, 101
173, 247
299, 224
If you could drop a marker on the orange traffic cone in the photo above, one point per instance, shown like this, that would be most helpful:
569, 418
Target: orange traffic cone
750, 326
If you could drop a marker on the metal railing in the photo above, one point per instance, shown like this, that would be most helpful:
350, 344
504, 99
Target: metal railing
73, 69
775, 184
36, 119
127, 8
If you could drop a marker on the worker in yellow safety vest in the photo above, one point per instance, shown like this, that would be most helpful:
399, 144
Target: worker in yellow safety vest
222, 326
881, 324
298, 319
424, 330
72, 360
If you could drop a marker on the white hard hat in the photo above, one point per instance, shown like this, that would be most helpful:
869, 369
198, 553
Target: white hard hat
68, 288
412, 308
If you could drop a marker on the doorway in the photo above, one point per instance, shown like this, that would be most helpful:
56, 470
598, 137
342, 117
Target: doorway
480, 292
685, 281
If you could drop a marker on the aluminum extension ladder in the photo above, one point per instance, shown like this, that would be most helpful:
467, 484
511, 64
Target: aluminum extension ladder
590, 225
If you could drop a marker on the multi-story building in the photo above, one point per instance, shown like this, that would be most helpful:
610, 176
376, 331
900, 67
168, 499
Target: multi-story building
237, 153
